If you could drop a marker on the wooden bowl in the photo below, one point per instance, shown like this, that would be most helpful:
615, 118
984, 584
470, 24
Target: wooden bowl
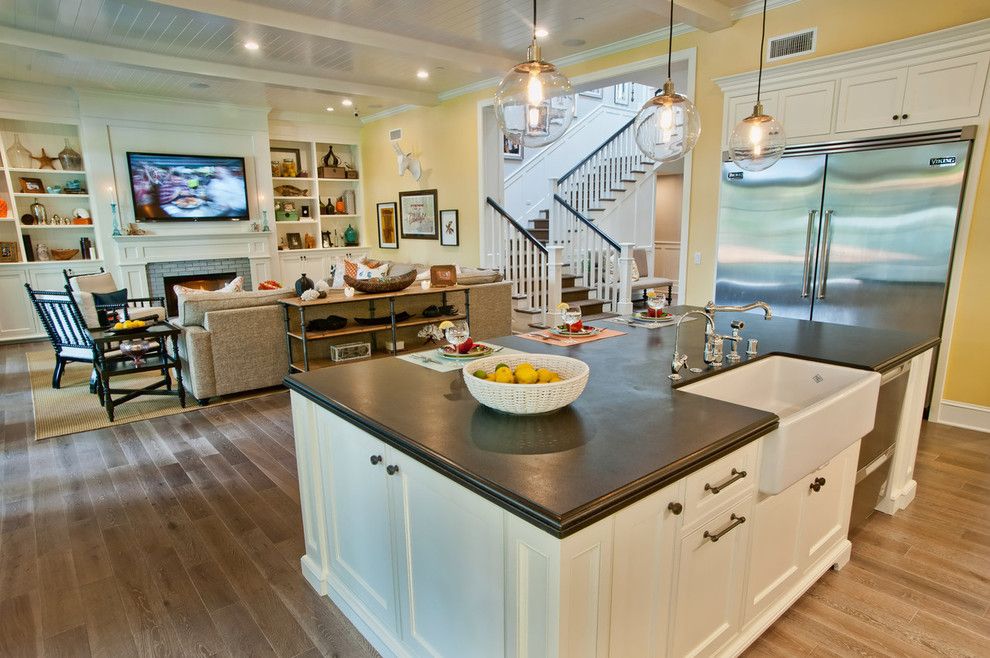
385, 284
63, 254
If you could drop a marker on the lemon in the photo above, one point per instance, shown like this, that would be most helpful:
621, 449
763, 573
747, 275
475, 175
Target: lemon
651, 293
490, 377
544, 375
525, 366
554, 378
526, 376
481, 374
504, 376
563, 306
446, 324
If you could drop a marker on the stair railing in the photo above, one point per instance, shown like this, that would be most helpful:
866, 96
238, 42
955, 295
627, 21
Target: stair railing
533, 269
602, 263
602, 173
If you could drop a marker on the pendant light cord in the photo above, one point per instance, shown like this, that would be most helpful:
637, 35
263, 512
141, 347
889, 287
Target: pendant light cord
763, 39
534, 21
670, 39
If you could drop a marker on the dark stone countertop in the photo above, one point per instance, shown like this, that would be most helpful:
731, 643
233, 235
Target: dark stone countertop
629, 434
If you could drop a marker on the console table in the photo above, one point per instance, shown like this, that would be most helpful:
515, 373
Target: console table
303, 338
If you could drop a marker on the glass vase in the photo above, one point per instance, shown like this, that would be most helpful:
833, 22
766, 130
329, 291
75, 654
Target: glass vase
18, 157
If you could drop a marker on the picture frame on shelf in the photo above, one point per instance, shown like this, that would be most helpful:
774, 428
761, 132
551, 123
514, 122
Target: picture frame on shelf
418, 216
9, 252
280, 155
293, 241
388, 228
450, 230
31, 185
442, 276
325, 239
304, 210
511, 150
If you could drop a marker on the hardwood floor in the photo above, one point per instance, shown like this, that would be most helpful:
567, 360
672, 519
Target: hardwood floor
182, 536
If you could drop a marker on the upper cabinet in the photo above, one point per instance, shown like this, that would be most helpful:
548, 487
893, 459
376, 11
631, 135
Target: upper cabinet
870, 101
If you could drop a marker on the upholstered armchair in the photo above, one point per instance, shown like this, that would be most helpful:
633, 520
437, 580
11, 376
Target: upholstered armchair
84, 286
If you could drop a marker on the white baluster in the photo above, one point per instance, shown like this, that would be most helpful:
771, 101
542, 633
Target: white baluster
625, 279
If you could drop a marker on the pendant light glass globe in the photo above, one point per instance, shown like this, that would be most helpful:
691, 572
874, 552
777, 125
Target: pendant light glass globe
668, 125
534, 103
757, 142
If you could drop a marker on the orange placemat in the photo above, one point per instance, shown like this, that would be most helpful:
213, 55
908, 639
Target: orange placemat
568, 341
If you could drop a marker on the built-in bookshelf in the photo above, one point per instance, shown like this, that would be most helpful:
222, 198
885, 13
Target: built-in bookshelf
315, 198
43, 204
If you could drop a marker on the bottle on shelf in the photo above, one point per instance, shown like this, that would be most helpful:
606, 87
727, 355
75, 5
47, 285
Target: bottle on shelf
18, 156
40, 212
71, 159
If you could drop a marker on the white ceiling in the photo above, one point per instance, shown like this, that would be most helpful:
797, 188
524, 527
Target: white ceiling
313, 53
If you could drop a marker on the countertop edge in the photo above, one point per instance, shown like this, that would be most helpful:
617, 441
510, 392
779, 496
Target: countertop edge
556, 525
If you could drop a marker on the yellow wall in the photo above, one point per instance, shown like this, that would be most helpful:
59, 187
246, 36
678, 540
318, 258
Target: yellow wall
447, 137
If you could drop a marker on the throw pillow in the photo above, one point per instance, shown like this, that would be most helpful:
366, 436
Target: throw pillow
635, 271
87, 307
107, 301
234, 285
365, 272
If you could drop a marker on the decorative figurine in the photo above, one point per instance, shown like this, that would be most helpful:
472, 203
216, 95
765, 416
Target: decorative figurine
264, 222
44, 160
331, 159
116, 220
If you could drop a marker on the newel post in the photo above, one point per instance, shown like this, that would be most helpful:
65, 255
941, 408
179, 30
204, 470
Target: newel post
625, 279
555, 230
555, 270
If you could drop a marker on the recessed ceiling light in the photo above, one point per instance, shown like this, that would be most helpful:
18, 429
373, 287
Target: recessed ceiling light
347, 102
541, 32
251, 45
329, 109
422, 74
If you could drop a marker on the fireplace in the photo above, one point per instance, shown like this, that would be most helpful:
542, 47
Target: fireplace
196, 281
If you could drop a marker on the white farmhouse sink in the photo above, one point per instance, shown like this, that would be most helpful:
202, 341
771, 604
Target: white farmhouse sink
823, 409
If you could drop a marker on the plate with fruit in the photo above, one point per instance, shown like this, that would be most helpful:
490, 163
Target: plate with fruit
129, 327
576, 329
652, 315
466, 350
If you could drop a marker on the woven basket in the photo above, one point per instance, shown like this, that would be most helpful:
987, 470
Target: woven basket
385, 284
527, 399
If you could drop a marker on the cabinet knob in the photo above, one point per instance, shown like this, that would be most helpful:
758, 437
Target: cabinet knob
817, 484
376, 459
675, 508
895, 117
904, 116
392, 469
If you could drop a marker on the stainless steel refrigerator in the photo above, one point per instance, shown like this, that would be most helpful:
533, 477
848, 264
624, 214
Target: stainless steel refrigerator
856, 233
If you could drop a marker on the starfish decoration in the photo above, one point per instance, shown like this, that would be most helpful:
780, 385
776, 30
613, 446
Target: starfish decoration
44, 160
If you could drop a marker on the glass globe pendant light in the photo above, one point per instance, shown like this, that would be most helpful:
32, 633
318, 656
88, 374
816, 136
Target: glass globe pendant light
758, 141
668, 125
534, 103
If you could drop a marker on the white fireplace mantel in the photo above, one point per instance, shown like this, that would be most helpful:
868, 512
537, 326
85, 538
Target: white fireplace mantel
134, 252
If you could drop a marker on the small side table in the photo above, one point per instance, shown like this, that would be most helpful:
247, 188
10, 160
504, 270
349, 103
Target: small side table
159, 359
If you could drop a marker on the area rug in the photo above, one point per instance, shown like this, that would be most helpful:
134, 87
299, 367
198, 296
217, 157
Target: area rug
72, 408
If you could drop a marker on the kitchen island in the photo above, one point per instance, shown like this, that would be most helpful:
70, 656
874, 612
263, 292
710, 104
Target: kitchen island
443, 528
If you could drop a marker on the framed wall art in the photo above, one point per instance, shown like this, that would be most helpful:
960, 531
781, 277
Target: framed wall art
293, 240
418, 215
388, 227
511, 150
450, 230
31, 185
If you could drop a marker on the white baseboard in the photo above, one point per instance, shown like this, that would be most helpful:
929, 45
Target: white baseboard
963, 414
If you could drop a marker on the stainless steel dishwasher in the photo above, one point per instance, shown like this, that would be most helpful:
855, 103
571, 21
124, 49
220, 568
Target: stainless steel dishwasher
877, 447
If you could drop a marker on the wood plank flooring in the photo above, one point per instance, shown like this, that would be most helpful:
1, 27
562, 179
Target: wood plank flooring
181, 536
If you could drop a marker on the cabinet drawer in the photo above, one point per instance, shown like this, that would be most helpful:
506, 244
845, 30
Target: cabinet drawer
718, 484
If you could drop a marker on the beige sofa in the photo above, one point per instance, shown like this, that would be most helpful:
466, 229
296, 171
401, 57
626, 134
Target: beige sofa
235, 342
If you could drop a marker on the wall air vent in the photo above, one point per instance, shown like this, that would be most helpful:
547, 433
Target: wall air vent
792, 45
394, 135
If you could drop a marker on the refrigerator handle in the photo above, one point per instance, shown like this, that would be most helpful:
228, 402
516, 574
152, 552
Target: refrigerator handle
806, 277
827, 249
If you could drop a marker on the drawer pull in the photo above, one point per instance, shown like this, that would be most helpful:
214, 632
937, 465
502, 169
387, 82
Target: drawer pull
392, 469
376, 459
736, 521
675, 508
817, 484
715, 488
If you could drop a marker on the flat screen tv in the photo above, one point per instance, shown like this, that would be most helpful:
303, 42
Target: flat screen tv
187, 188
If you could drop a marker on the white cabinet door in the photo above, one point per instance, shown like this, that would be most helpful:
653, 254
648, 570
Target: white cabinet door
775, 562
357, 517
642, 573
18, 317
708, 591
827, 499
946, 90
47, 279
806, 111
449, 545
870, 101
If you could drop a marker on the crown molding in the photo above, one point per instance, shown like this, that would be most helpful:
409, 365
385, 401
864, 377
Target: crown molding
392, 111
756, 7
971, 36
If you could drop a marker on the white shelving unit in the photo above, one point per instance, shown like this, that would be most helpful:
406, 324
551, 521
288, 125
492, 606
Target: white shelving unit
318, 191
53, 137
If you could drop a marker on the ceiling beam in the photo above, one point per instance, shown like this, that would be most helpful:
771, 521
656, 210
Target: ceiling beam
471, 60
188, 66
705, 15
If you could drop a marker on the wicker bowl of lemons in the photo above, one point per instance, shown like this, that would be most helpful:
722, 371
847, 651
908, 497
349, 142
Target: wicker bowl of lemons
526, 383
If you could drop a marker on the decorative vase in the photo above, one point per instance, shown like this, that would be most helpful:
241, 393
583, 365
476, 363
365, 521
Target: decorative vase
70, 159
27, 219
18, 156
331, 159
303, 284
3, 208
44, 253
135, 349
340, 207
40, 212
350, 236
330, 206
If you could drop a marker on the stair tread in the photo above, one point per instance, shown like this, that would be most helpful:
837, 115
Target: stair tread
587, 302
569, 289
529, 311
